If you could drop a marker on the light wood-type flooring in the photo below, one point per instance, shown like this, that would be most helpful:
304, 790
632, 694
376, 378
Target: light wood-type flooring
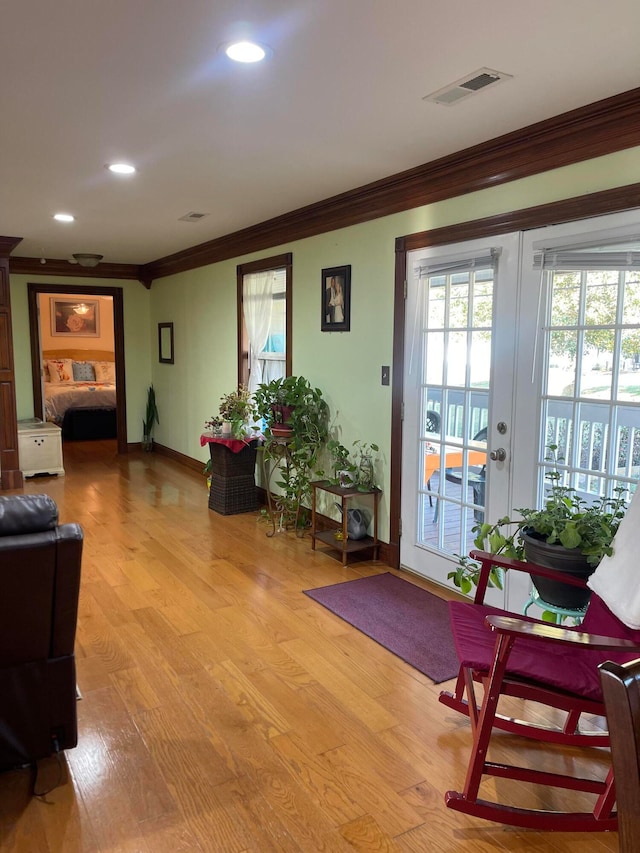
224, 711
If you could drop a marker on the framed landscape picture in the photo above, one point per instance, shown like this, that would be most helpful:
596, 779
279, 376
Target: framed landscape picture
75, 318
336, 299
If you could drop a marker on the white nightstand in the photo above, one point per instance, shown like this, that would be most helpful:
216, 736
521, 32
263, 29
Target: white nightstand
40, 448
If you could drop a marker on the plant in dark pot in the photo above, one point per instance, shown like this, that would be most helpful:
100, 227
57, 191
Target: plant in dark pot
568, 533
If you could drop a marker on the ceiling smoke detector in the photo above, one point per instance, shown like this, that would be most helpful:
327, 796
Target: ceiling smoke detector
469, 85
86, 259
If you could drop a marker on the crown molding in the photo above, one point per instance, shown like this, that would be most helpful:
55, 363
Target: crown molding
7, 245
614, 200
604, 127
56, 266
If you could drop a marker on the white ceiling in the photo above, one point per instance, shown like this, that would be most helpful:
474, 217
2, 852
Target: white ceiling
339, 104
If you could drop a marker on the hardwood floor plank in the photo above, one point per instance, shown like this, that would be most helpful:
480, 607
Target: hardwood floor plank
364, 834
319, 780
224, 711
116, 736
323, 667
393, 814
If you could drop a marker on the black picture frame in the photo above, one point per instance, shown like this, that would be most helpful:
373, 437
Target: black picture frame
336, 299
165, 343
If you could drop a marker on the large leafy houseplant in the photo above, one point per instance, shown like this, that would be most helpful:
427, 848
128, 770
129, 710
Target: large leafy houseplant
565, 520
296, 454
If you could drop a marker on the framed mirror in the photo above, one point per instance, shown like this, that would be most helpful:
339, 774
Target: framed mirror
165, 343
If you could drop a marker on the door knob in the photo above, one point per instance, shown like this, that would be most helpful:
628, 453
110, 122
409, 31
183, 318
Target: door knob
498, 455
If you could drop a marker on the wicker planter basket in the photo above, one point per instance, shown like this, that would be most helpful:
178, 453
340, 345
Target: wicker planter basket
228, 464
233, 487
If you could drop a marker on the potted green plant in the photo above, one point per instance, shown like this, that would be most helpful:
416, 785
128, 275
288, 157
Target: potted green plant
364, 461
344, 470
151, 418
236, 409
352, 468
568, 534
296, 453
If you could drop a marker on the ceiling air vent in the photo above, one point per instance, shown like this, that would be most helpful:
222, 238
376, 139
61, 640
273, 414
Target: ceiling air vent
192, 217
469, 85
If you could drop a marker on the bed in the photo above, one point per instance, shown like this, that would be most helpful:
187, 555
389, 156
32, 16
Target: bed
80, 393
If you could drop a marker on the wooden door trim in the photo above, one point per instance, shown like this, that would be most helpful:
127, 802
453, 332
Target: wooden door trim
33, 290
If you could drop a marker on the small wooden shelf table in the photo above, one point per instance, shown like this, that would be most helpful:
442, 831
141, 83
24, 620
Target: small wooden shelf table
345, 545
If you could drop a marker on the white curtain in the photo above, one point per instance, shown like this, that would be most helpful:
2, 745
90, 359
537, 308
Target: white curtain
257, 302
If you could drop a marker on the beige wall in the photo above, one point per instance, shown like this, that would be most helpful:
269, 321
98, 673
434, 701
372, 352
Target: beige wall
346, 366
103, 341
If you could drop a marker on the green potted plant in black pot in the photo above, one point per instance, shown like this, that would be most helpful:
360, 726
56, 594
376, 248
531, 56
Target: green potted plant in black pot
568, 534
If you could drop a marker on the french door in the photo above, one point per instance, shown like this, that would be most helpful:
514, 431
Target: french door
529, 341
458, 393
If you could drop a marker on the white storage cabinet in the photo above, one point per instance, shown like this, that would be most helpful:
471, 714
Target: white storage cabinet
40, 448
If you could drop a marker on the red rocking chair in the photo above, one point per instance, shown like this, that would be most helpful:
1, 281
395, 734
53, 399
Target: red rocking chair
532, 660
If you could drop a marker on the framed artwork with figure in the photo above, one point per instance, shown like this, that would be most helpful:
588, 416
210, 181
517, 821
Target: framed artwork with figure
336, 299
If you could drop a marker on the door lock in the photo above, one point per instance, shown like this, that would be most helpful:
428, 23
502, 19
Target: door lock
498, 455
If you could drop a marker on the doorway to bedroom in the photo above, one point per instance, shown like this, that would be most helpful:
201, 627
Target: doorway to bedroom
77, 357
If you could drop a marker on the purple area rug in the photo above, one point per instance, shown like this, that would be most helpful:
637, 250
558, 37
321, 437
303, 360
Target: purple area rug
409, 621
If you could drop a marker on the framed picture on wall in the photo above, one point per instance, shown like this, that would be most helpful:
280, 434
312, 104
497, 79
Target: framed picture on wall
75, 318
336, 299
165, 343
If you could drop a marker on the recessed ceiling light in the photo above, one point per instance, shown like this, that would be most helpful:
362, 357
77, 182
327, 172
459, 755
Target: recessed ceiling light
64, 217
246, 51
121, 168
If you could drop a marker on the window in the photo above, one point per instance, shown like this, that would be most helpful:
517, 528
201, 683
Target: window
591, 393
264, 320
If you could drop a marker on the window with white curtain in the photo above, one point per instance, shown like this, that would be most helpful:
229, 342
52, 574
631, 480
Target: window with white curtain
264, 291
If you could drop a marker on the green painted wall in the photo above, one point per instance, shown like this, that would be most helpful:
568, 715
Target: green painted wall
346, 366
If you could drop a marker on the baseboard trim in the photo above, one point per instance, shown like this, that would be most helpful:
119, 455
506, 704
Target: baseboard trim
323, 521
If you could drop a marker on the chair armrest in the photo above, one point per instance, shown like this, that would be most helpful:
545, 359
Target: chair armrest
487, 561
537, 631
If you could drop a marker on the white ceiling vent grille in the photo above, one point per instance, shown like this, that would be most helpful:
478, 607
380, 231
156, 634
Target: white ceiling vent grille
469, 85
192, 217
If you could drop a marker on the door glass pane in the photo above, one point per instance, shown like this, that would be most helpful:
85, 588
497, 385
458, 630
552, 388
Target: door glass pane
456, 342
480, 359
456, 361
565, 299
562, 361
591, 400
434, 358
